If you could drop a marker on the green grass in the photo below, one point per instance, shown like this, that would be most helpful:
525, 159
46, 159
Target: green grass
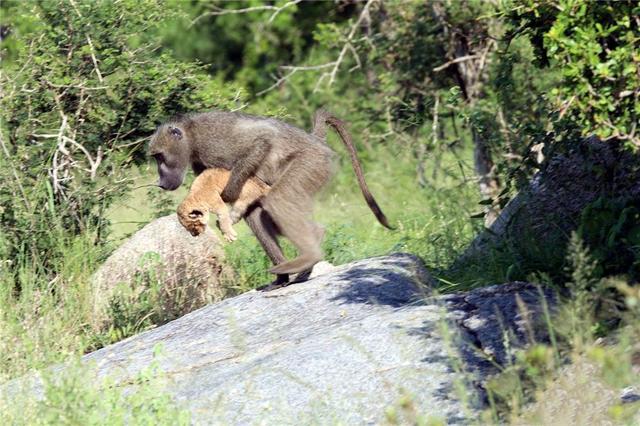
74, 398
49, 322
46, 321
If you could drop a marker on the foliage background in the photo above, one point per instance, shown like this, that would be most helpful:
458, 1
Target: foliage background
453, 105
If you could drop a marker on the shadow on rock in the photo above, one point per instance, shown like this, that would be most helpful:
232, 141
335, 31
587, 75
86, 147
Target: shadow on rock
399, 280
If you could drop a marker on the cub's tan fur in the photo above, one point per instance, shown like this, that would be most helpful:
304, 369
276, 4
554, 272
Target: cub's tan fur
204, 197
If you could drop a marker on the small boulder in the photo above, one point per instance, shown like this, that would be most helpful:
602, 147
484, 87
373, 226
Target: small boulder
187, 270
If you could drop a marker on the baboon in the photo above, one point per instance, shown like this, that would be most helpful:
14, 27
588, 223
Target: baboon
204, 197
294, 163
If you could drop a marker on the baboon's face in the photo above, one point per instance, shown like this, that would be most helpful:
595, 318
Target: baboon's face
170, 148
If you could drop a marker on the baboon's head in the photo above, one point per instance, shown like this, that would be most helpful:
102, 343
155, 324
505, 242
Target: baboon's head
171, 149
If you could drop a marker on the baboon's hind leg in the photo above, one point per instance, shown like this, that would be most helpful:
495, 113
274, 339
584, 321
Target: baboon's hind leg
290, 204
304, 236
294, 224
266, 232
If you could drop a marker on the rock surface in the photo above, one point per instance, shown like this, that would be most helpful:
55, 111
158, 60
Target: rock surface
166, 250
343, 347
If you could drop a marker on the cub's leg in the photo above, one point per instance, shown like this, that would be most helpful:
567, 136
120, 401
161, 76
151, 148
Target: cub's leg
252, 191
203, 198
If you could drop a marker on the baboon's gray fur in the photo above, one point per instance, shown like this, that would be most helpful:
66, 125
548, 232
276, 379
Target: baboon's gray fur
296, 165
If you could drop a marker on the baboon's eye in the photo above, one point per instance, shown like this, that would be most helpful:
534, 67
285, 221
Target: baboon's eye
175, 132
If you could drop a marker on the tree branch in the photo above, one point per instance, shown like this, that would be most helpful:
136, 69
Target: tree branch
219, 11
347, 45
334, 65
292, 71
93, 50
455, 61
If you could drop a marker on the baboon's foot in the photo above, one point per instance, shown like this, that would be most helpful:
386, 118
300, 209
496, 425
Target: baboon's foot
279, 282
302, 276
301, 263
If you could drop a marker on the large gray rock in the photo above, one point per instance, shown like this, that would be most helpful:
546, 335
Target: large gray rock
189, 269
536, 224
343, 347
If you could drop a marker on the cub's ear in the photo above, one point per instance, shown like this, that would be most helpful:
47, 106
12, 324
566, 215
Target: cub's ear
175, 132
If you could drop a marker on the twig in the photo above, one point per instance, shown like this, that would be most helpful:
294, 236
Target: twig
15, 173
345, 48
236, 99
455, 61
565, 106
273, 16
334, 65
220, 12
93, 163
136, 142
293, 70
95, 61
93, 50
434, 126
55, 165
356, 57
76, 86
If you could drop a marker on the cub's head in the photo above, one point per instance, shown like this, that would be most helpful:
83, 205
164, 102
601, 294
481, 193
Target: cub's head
194, 220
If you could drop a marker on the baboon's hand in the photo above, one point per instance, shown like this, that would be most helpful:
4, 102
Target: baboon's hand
232, 191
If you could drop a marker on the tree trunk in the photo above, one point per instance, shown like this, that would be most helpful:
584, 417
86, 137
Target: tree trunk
487, 180
468, 65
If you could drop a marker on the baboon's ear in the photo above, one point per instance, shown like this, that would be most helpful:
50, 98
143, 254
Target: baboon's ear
175, 132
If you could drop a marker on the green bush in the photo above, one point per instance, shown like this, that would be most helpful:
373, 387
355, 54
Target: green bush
83, 88
595, 47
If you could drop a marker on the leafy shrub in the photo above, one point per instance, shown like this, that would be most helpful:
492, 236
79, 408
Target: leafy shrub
594, 45
83, 88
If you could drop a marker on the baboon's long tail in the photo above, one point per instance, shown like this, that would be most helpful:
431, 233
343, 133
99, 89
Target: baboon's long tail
321, 119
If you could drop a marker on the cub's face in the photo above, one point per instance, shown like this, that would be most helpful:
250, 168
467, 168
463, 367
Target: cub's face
194, 221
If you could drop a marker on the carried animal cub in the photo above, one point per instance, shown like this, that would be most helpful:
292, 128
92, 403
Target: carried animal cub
204, 198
